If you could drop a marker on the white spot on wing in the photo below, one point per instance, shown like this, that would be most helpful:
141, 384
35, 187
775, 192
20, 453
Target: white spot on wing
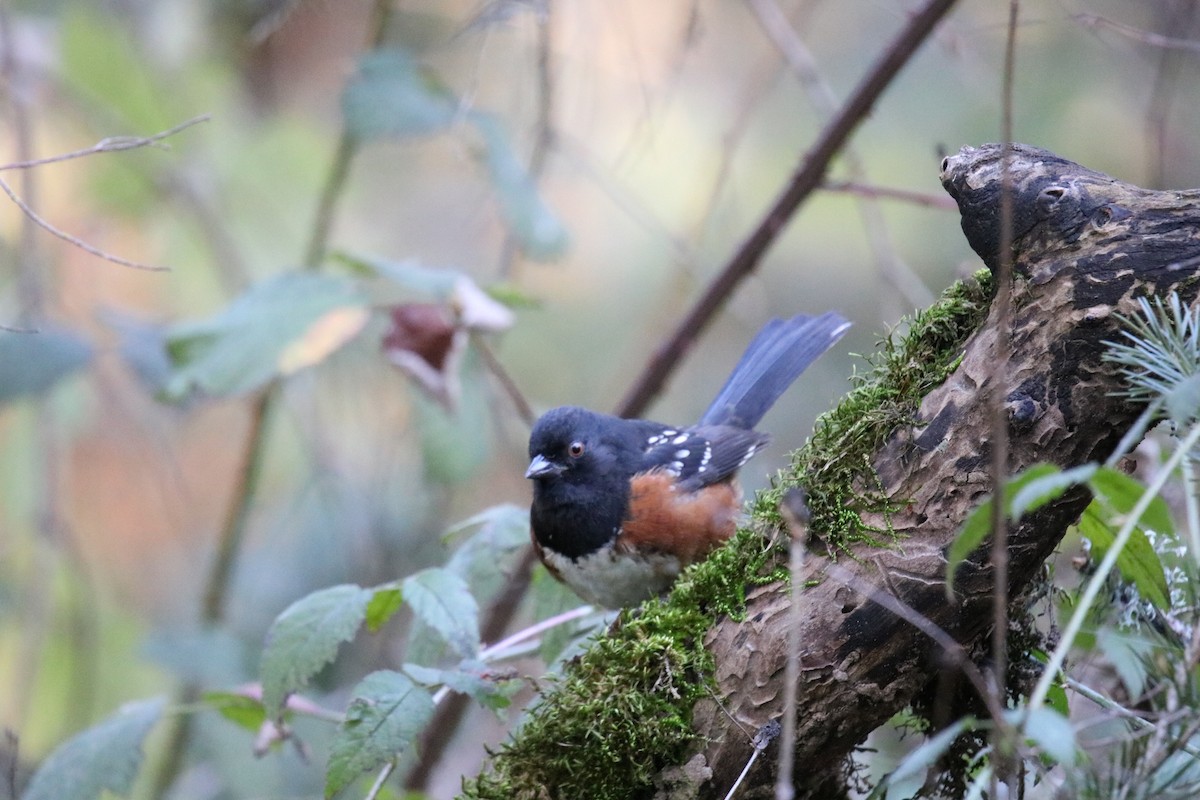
680, 439
682, 453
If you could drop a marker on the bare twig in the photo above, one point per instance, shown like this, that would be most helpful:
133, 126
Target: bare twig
823, 99
796, 515
506, 381
762, 740
74, 240
1002, 305
942, 202
380, 780
112, 144
806, 179
1137, 34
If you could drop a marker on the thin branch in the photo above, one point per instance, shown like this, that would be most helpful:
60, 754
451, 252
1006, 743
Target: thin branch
796, 515
823, 99
112, 144
506, 380
1137, 34
74, 240
998, 398
941, 202
806, 179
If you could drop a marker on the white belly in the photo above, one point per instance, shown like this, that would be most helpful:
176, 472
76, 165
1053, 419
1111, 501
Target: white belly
614, 580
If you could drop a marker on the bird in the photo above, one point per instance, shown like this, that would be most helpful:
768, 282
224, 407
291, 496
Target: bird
621, 506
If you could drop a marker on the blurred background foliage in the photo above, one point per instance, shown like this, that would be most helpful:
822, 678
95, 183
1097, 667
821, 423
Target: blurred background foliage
592, 163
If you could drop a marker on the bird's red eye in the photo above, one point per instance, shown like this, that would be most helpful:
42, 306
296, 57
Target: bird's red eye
575, 449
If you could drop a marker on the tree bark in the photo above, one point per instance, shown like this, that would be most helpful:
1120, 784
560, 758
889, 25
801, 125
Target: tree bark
1085, 247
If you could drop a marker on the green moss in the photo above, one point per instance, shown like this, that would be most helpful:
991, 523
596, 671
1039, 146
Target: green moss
834, 466
622, 710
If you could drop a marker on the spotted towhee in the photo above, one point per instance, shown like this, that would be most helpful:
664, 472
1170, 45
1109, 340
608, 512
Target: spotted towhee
620, 506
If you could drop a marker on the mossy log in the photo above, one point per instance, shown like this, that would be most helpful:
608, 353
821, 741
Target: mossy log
1084, 248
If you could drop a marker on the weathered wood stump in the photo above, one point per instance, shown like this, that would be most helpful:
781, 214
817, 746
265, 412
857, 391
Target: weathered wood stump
1085, 247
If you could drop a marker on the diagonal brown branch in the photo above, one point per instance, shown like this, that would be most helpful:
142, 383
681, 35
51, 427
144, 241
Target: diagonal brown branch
804, 181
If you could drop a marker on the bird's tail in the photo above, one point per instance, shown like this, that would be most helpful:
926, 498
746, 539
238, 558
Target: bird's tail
779, 353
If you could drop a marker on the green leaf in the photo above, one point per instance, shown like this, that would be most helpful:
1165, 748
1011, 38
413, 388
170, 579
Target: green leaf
1056, 697
104, 757
386, 714
306, 637
426, 282
933, 748
288, 322
386, 601
540, 232
442, 601
1050, 731
482, 559
391, 95
1042, 483
239, 709
31, 363
1122, 492
1024, 492
1137, 561
472, 678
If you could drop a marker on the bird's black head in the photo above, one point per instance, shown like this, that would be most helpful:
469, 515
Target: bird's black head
580, 464
573, 445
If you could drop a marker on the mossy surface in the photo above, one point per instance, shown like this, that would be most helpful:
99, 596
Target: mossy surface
622, 710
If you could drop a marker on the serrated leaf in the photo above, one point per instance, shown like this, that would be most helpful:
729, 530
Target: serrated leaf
105, 757
277, 327
483, 558
306, 637
386, 714
472, 678
385, 602
242, 710
442, 601
391, 95
1050, 731
1138, 563
539, 230
1122, 492
31, 363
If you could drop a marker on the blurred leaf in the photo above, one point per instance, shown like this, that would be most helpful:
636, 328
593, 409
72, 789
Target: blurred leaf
1122, 492
306, 637
455, 444
1046, 483
31, 363
385, 602
1050, 731
285, 323
106, 756
486, 685
1137, 561
932, 749
540, 232
240, 709
482, 558
391, 95
442, 600
143, 348
386, 714
1183, 401
1056, 697
429, 282
1127, 655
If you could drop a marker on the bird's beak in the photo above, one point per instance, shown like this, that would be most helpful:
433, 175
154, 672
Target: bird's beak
542, 466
